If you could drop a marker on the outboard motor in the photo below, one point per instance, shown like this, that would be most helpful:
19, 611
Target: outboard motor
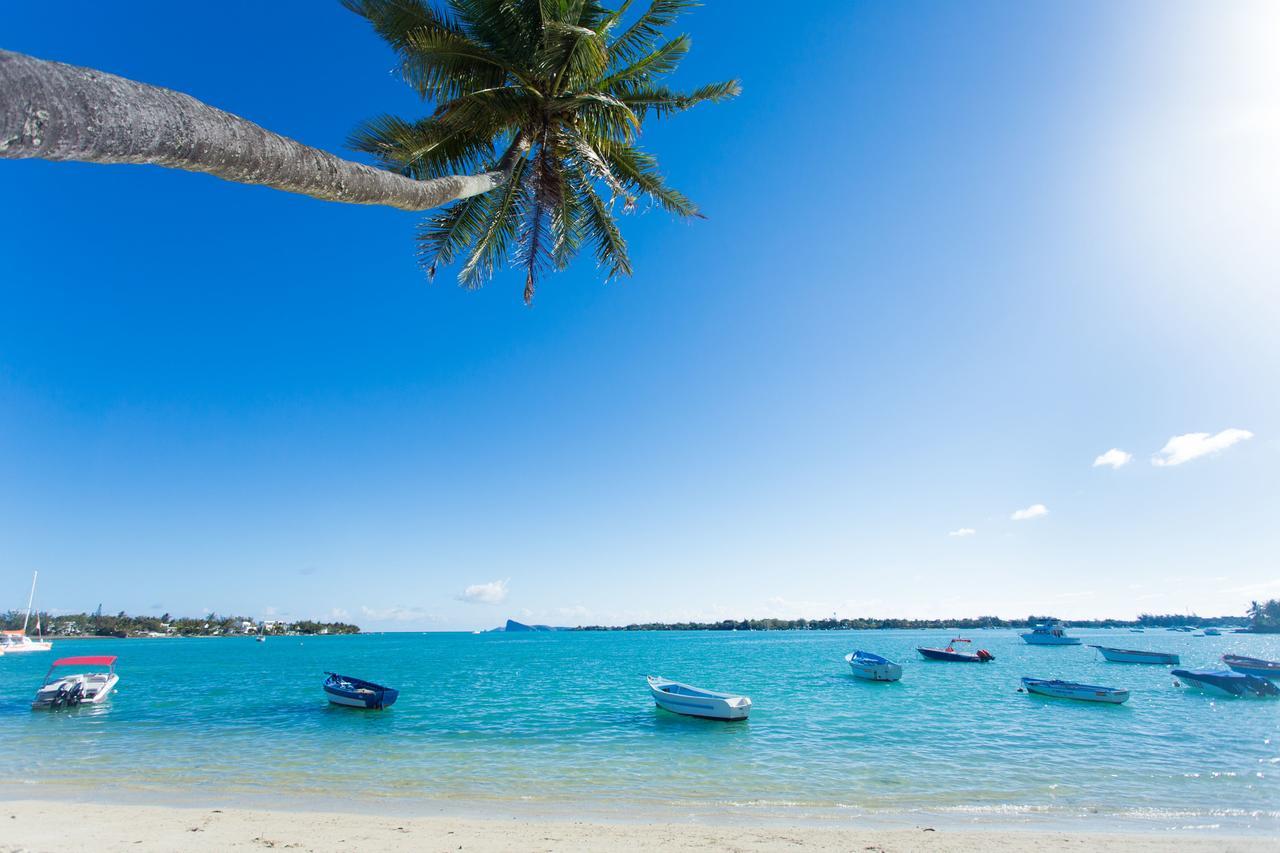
59, 698
75, 694
984, 655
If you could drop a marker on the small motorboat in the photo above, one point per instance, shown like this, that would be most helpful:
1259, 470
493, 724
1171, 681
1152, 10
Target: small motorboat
358, 693
1071, 690
950, 653
69, 689
873, 667
1212, 632
1253, 666
1049, 634
1138, 656
1227, 683
696, 702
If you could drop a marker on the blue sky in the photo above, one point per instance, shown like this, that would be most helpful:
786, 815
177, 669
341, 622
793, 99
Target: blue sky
954, 253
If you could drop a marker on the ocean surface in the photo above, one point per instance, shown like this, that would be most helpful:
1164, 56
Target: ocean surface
563, 723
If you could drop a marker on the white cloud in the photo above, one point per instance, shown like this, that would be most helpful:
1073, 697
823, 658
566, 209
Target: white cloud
1115, 457
493, 592
1192, 445
963, 531
1033, 511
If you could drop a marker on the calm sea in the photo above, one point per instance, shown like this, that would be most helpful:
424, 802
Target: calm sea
564, 722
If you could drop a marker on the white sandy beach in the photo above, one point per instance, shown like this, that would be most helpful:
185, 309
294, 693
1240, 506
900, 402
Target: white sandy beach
40, 826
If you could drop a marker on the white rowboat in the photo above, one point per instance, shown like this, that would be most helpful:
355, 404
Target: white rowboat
696, 702
1072, 690
1138, 656
873, 667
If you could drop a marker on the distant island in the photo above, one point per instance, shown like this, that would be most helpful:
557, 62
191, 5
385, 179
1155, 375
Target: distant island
123, 625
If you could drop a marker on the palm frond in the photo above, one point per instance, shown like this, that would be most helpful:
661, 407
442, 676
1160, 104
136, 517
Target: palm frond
445, 234
424, 149
443, 65
639, 170
495, 242
662, 101
660, 61
645, 32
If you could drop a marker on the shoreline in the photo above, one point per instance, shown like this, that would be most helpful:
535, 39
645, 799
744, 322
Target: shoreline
91, 825
1018, 819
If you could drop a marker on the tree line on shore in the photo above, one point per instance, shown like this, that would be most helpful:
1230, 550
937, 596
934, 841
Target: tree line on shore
1262, 618
124, 625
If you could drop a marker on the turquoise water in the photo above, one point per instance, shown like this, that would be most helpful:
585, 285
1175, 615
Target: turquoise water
556, 719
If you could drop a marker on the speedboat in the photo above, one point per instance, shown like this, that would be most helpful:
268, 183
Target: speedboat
67, 690
1050, 634
1072, 690
1212, 632
1137, 656
696, 702
1227, 683
1253, 666
950, 653
358, 693
873, 667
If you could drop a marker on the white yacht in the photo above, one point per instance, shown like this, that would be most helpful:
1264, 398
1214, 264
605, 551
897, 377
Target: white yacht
1050, 634
17, 640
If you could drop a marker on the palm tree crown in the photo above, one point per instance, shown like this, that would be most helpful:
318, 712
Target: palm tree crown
561, 89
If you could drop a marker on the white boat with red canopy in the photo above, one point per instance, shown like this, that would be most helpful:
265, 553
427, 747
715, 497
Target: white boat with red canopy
68, 689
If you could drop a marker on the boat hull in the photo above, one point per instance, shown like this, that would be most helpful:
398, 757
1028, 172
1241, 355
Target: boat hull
873, 667
1227, 683
694, 702
355, 693
1138, 656
1042, 640
952, 657
1253, 666
1079, 692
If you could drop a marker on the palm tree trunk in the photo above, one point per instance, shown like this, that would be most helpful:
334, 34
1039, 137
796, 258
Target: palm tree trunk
55, 111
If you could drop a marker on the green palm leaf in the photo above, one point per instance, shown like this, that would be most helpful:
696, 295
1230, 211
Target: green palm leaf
564, 88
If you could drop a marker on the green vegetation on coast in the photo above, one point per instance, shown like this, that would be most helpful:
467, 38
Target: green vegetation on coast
124, 625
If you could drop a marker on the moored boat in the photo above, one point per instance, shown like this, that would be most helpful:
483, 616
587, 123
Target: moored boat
1138, 656
17, 641
69, 689
1253, 666
951, 655
1049, 634
697, 702
1227, 683
358, 693
1212, 632
873, 667
1059, 689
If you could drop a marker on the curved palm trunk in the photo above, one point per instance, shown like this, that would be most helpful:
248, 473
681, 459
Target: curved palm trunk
55, 111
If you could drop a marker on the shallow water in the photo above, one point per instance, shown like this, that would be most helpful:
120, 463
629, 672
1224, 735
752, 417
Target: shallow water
566, 717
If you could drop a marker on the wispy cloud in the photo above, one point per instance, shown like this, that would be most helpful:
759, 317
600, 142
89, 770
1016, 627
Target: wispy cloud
1033, 511
1193, 445
1115, 458
962, 531
493, 592
395, 614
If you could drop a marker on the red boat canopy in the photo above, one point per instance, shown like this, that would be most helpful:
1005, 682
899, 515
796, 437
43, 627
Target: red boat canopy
91, 660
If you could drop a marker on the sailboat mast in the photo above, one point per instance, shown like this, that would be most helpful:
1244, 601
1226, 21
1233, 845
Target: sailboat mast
30, 598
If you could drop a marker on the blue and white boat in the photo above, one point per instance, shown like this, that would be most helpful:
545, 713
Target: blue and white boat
358, 693
1072, 690
1253, 666
1049, 634
950, 654
1224, 682
1138, 656
696, 702
873, 667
